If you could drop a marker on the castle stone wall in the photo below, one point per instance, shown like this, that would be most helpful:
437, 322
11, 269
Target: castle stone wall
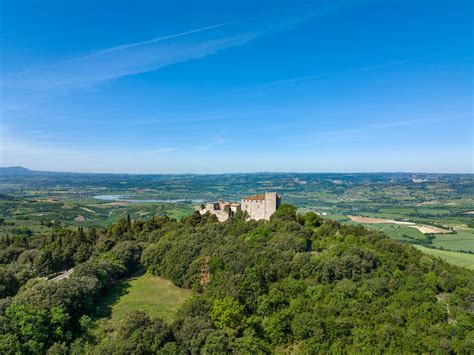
257, 207
261, 206
272, 202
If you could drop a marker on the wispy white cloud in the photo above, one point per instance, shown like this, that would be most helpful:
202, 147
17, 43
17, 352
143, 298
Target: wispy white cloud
152, 41
159, 151
366, 131
210, 145
140, 57
414, 122
373, 131
332, 74
39, 154
348, 71
345, 135
114, 65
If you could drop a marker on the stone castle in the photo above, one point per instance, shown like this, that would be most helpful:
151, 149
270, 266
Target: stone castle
258, 207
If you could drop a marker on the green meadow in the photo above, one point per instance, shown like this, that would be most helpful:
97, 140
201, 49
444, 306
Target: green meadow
450, 247
461, 240
460, 259
151, 294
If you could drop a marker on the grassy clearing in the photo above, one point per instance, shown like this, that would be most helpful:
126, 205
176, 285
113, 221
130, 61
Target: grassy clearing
459, 259
151, 294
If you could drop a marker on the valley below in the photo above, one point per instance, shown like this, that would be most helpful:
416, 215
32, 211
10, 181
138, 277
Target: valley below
431, 210
368, 263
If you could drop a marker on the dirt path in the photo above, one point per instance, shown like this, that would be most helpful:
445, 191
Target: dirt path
443, 298
63, 275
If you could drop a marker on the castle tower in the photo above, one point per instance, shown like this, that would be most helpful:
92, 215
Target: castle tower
272, 202
261, 206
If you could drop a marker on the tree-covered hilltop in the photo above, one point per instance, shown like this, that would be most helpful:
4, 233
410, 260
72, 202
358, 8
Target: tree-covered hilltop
296, 283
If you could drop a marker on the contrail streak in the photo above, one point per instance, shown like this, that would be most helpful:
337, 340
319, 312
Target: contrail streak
154, 40
176, 35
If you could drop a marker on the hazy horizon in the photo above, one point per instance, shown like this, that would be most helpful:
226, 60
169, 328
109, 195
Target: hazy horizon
353, 86
243, 172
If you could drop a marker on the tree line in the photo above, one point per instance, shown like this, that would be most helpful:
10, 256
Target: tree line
296, 283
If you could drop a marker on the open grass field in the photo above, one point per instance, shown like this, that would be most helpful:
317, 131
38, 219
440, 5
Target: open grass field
459, 259
154, 295
452, 243
461, 240
398, 232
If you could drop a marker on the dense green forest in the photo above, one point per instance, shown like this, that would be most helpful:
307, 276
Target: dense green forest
34, 203
296, 283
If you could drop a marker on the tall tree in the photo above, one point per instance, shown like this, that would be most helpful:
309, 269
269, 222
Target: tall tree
129, 223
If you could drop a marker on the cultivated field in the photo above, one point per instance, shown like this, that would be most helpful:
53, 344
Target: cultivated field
460, 259
435, 211
432, 230
360, 219
461, 240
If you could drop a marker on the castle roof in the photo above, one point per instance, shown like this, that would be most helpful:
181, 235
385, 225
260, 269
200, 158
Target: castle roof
255, 197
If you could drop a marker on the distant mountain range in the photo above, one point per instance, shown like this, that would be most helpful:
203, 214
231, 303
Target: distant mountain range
16, 170
22, 171
25, 172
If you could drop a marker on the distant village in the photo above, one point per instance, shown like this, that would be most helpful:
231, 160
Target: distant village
258, 207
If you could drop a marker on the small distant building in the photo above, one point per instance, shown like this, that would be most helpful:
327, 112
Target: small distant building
258, 207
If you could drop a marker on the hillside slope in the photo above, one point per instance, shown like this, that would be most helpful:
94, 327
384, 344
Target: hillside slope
297, 284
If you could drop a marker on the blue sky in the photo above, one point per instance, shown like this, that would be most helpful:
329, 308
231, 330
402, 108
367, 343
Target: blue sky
237, 86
